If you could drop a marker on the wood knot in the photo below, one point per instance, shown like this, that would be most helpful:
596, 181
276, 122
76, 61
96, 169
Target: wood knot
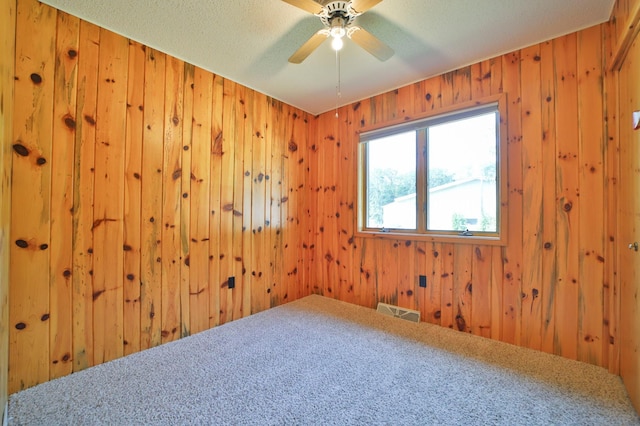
69, 122
20, 149
22, 243
36, 78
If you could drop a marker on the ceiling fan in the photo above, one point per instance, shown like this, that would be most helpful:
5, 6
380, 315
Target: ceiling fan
338, 17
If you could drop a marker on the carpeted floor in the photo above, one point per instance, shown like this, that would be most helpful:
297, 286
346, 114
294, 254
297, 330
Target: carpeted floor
321, 361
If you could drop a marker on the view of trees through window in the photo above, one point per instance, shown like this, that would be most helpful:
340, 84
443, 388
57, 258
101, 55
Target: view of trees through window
460, 173
391, 167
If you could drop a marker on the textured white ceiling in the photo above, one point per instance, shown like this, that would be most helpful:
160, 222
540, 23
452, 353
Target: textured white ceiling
249, 41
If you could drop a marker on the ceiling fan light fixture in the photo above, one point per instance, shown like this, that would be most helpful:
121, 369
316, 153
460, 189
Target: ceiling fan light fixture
337, 43
337, 27
338, 17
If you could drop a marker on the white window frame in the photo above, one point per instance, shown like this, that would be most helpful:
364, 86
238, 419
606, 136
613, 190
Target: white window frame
454, 112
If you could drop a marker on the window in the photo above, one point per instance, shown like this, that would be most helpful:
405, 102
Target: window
438, 176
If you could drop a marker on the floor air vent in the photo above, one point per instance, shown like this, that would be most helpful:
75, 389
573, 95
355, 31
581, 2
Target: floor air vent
398, 312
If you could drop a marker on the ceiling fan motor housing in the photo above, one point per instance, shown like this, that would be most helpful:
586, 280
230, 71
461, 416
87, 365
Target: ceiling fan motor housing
339, 12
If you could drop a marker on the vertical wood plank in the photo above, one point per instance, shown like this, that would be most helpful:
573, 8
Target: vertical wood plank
31, 189
7, 69
268, 197
277, 126
512, 254
288, 209
215, 202
405, 282
446, 285
84, 160
258, 185
611, 354
567, 208
462, 85
226, 198
300, 134
592, 192
324, 286
172, 175
549, 244
462, 287
387, 257
152, 188
200, 198
497, 274
133, 198
62, 171
433, 302
423, 266
315, 277
532, 187
481, 79
235, 296
185, 203
481, 290
109, 196
368, 274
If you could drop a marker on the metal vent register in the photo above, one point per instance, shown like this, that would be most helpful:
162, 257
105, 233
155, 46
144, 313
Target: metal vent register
398, 312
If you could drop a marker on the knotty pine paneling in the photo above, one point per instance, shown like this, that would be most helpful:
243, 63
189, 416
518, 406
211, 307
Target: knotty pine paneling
7, 64
629, 324
549, 287
140, 184
627, 212
181, 178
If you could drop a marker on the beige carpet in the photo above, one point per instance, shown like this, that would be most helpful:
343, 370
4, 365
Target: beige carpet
321, 361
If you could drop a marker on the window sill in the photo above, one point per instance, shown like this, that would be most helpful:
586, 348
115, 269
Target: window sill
435, 238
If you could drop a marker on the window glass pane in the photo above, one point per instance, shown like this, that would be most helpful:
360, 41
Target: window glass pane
391, 182
462, 175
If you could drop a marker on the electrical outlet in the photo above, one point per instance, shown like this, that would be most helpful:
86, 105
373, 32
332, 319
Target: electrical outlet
231, 283
423, 281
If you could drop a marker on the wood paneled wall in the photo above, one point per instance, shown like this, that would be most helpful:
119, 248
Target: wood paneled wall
626, 23
7, 62
140, 184
552, 286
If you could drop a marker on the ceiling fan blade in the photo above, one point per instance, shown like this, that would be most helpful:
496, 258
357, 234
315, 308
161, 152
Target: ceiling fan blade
307, 5
370, 43
309, 46
361, 6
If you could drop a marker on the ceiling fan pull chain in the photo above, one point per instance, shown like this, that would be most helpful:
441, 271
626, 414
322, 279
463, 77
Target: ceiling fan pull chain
338, 88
